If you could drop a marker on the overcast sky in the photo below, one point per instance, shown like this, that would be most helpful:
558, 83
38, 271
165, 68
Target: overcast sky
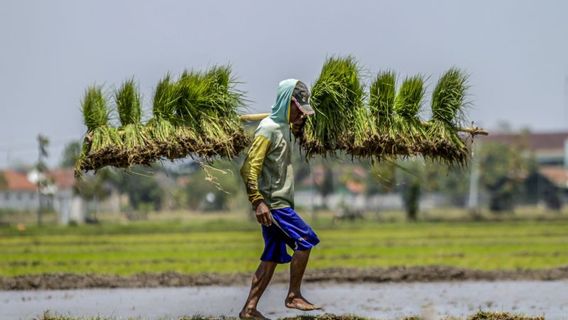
516, 53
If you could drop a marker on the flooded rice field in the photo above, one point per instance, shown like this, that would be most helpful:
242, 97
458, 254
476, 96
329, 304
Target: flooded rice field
373, 300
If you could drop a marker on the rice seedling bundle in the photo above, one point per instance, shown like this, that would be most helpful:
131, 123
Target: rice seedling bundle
382, 97
363, 137
161, 128
448, 103
407, 105
102, 142
194, 116
138, 147
197, 115
381, 107
337, 98
389, 126
207, 121
396, 115
221, 123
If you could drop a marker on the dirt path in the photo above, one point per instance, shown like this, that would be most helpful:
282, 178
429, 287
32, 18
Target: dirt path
385, 301
172, 279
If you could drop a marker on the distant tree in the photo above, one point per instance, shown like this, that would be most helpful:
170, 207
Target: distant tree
411, 196
92, 187
503, 167
324, 182
451, 181
140, 186
537, 187
412, 174
70, 154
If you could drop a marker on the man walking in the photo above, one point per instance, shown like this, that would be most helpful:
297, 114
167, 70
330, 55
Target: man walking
269, 180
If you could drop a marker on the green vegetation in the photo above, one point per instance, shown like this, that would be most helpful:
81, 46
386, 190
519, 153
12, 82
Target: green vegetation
128, 103
94, 107
137, 146
196, 115
448, 103
102, 142
234, 245
386, 123
193, 116
337, 96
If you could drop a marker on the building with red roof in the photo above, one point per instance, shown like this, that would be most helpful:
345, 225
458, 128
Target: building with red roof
549, 148
17, 192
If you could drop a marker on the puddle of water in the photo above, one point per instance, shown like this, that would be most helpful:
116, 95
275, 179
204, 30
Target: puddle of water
373, 300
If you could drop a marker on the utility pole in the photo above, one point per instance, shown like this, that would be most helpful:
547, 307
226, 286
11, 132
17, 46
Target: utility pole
41, 168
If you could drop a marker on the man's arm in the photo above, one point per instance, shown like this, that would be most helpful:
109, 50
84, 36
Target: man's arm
250, 172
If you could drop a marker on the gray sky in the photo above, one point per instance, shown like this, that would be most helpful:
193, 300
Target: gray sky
516, 53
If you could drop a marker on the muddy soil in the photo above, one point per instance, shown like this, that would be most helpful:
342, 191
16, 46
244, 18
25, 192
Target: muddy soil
340, 275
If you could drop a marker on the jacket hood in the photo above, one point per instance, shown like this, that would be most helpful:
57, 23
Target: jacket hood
280, 109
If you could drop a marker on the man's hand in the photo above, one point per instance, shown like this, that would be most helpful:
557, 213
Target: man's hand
263, 214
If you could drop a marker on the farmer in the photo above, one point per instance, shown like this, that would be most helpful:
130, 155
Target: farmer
269, 180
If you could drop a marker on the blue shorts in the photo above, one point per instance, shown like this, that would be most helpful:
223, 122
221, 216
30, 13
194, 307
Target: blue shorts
287, 228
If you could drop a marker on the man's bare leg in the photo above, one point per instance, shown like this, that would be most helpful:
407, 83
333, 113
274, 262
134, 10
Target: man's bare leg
260, 281
294, 299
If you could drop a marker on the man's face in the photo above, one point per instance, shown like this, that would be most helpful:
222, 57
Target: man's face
297, 118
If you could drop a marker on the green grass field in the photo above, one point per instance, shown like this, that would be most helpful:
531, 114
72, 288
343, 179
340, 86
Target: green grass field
227, 245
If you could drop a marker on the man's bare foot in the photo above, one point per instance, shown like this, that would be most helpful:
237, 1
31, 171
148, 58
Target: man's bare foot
251, 314
300, 303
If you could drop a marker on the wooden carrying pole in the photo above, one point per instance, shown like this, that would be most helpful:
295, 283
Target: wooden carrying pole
259, 116
254, 116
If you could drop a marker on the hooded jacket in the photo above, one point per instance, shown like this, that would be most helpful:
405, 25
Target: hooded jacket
267, 170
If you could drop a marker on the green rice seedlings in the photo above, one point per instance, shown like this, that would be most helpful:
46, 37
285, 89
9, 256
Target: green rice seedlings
177, 115
205, 114
190, 111
448, 98
231, 100
161, 127
219, 123
128, 103
411, 134
165, 99
197, 116
382, 98
448, 103
337, 96
101, 141
94, 108
138, 148
382, 108
189, 90
95, 115
219, 112
364, 135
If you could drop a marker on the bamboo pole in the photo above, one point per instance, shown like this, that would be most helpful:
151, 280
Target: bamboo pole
254, 116
476, 131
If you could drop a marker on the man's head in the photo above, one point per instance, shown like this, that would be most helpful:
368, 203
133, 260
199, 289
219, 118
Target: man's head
300, 107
